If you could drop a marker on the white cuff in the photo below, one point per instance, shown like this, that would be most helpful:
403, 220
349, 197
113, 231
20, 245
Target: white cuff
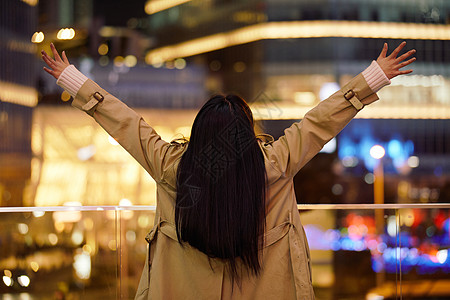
71, 80
375, 77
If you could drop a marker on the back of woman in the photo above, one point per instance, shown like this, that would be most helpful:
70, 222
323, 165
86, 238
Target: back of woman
227, 224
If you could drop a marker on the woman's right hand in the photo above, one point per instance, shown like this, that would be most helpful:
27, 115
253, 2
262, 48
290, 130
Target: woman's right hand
392, 64
56, 65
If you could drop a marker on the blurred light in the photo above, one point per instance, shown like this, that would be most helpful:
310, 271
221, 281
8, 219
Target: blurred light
86, 153
394, 148
157, 65
430, 231
8, 281
377, 152
59, 226
328, 89
125, 202
239, 67
126, 214
103, 61
82, 265
373, 296
34, 266
143, 221
304, 98
131, 236
130, 61
392, 226
66, 217
350, 161
38, 214
87, 249
118, 61
77, 237
18, 94
23, 228
215, 65
337, 189
103, 49
180, 63
442, 255
65, 96
112, 245
53, 238
299, 29
369, 178
31, 2
418, 80
154, 6
23, 280
112, 141
7, 273
170, 64
23, 296
329, 147
88, 224
37, 37
66, 34
413, 161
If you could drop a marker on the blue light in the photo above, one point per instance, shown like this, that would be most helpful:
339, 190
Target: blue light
395, 149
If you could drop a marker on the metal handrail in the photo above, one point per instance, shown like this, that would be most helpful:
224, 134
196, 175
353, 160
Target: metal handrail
153, 207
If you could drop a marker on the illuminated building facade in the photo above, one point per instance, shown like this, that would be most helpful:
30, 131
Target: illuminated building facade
18, 96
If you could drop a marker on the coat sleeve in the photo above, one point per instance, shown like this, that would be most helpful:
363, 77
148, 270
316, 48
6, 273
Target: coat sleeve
304, 139
128, 128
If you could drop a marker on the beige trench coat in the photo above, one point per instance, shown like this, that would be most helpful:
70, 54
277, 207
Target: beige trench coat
173, 272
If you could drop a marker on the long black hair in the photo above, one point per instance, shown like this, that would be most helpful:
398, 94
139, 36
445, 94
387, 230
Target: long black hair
221, 181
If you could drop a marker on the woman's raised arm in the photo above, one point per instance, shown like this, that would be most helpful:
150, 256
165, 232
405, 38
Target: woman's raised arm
122, 123
304, 139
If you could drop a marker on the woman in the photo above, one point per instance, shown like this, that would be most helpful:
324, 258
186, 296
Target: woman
227, 224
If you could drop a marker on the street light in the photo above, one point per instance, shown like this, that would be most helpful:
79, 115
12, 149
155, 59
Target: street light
378, 152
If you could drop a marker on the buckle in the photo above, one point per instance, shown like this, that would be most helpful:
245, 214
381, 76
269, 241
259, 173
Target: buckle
99, 97
349, 95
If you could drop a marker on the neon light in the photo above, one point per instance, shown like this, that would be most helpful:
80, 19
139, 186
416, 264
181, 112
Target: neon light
298, 29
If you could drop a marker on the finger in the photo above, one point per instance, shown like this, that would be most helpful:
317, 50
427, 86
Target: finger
406, 55
405, 63
384, 50
55, 52
64, 57
404, 72
51, 72
398, 49
45, 54
48, 61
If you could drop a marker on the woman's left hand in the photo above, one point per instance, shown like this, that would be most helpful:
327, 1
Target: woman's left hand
56, 65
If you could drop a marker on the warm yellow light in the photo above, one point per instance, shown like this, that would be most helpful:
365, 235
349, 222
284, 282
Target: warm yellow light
34, 266
66, 34
103, 49
154, 6
18, 94
65, 96
299, 29
31, 2
118, 61
37, 37
130, 61
179, 63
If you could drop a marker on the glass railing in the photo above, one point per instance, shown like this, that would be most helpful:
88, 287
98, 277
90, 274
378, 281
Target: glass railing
387, 251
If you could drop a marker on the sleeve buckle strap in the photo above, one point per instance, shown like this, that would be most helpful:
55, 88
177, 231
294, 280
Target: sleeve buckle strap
95, 99
350, 96
99, 97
